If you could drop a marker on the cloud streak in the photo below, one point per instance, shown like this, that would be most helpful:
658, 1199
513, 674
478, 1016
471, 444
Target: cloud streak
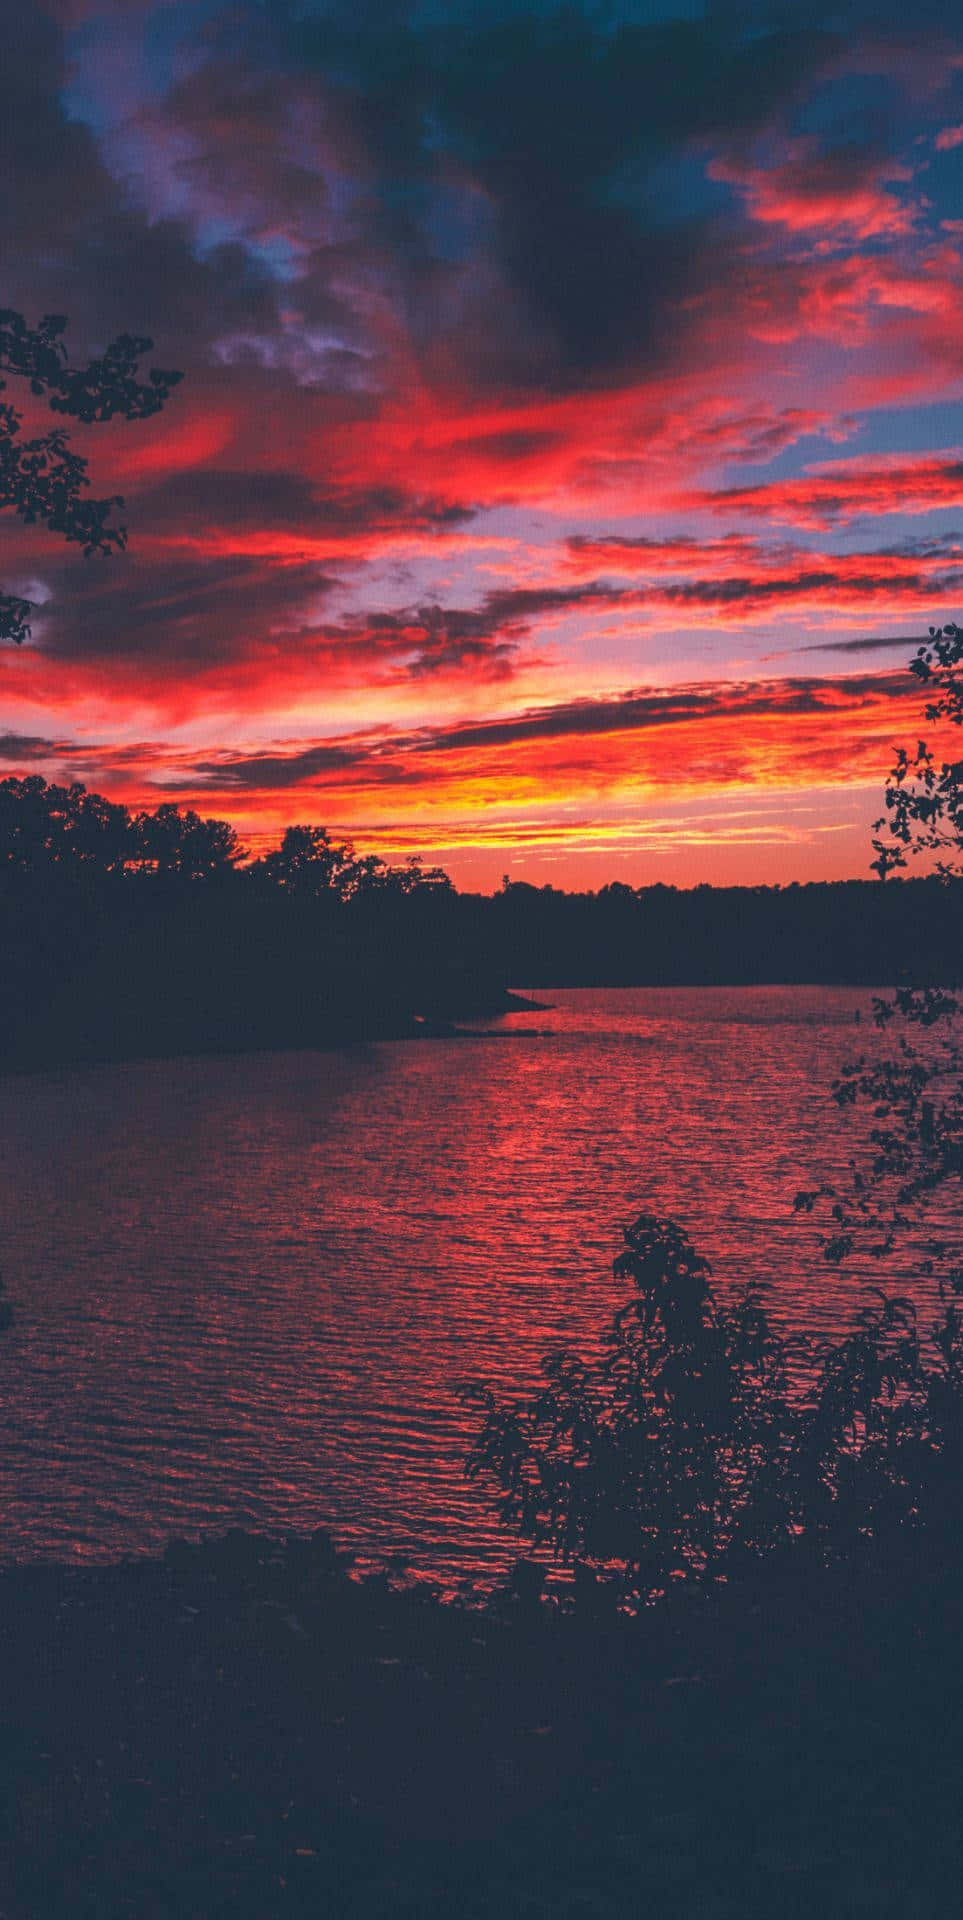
548, 372
832, 495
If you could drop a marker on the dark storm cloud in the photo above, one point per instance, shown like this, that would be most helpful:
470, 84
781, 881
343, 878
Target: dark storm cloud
70, 237
20, 747
201, 611
647, 707
184, 612
564, 126
526, 187
280, 502
280, 770
907, 643
508, 184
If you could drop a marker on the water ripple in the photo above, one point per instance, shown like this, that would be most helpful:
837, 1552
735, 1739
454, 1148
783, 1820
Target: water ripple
247, 1289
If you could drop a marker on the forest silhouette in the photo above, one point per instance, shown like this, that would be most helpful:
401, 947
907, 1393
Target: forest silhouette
148, 933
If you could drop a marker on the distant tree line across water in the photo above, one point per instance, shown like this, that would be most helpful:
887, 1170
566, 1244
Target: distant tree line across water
149, 932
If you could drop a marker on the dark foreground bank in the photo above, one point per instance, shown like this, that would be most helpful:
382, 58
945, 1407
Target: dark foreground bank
244, 1730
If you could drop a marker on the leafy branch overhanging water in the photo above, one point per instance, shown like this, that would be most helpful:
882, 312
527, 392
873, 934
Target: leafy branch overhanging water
704, 1441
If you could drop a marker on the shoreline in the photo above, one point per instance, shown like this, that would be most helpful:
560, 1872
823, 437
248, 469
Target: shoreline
242, 1728
410, 1026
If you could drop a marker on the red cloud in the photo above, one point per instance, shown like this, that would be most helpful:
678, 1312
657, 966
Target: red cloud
587, 779
241, 634
843, 193
559, 759
171, 446
844, 490
379, 390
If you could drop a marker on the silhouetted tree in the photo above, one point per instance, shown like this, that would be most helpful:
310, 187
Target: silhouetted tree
171, 843
41, 477
641, 1463
413, 878
914, 1096
924, 800
309, 864
701, 1441
42, 824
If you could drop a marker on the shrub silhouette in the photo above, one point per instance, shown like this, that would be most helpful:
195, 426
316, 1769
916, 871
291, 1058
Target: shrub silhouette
702, 1440
914, 1096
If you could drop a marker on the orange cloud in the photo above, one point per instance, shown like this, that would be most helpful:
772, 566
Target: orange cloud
535, 772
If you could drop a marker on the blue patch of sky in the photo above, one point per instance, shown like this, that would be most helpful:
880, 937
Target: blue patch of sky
274, 252
910, 430
670, 189
941, 525
942, 180
155, 42
606, 15
877, 112
862, 109
457, 221
277, 254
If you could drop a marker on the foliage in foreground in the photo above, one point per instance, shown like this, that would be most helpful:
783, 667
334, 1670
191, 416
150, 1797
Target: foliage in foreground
904, 1185
702, 1439
42, 479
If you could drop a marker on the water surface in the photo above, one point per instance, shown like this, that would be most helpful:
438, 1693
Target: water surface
247, 1288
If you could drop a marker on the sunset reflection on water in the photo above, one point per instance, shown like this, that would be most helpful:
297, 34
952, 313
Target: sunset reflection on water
247, 1289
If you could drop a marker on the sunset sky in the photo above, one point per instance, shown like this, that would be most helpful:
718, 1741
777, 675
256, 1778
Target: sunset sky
570, 446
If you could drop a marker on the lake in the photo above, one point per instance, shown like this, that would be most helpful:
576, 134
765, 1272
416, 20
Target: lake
247, 1289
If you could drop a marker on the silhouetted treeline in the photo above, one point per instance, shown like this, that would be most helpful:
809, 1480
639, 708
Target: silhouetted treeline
857, 931
148, 933
144, 933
